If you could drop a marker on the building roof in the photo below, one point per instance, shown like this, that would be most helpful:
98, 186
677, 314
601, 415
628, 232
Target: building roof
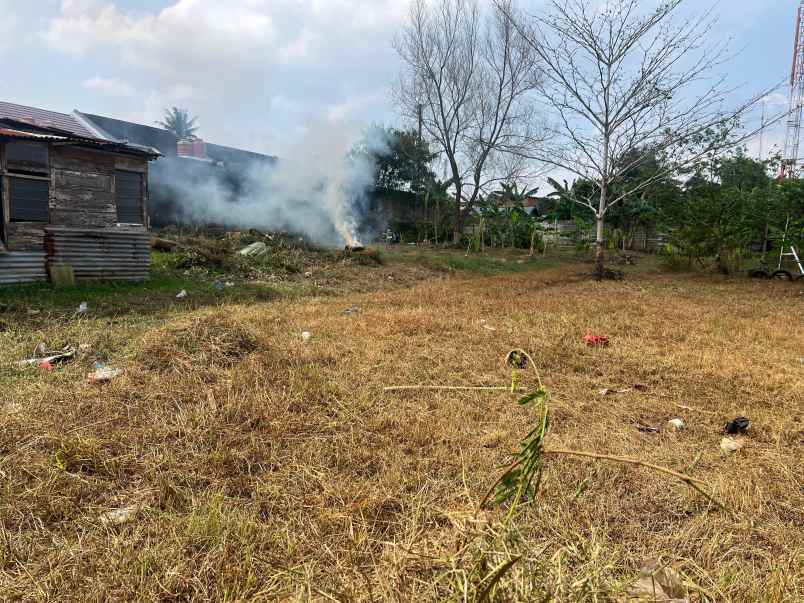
145, 139
165, 140
10, 132
230, 155
117, 129
44, 118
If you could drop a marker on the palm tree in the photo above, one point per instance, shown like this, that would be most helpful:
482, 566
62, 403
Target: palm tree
180, 123
510, 201
511, 196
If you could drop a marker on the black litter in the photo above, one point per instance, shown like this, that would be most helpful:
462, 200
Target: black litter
738, 425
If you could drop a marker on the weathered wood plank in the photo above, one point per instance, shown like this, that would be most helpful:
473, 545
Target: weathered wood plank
83, 217
68, 179
132, 164
80, 160
23, 236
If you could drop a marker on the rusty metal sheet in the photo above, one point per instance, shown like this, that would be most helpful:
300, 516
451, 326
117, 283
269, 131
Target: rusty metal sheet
22, 267
101, 254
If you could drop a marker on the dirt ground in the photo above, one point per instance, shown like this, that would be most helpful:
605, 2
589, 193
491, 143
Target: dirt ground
235, 461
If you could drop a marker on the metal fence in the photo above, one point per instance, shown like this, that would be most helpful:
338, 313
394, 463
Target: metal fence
100, 254
22, 267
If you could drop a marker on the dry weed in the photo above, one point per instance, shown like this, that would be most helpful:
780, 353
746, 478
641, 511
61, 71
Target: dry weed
267, 468
208, 339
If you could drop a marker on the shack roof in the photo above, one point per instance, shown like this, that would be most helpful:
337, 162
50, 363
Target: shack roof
15, 129
44, 118
8, 132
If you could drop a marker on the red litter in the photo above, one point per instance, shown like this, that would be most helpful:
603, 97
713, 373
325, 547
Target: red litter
46, 365
596, 340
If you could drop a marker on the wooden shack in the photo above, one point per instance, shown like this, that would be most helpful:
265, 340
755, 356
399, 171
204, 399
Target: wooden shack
70, 199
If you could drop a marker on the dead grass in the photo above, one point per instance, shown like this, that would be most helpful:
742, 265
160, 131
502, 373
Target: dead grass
210, 339
270, 469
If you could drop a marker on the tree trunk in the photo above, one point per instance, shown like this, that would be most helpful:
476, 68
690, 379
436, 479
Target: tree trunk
599, 253
601, 209
457, 230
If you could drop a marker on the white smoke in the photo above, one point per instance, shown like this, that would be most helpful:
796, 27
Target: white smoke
319, 189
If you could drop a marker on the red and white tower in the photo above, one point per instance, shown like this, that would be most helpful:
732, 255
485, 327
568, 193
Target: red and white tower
790, 158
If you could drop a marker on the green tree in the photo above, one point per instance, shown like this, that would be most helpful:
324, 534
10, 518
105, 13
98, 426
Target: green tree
742, 172
503, 219
569, 200
510, 195
727, 204
180, 123
405, 163
645, 186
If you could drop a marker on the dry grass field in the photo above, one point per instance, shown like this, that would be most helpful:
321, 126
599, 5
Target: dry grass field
241, 463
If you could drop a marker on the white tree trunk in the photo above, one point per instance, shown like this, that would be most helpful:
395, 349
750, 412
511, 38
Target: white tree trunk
599, 244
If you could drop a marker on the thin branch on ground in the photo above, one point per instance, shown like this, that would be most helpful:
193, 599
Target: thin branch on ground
397, 388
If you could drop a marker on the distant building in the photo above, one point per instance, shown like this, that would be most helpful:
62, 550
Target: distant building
69, 197
184, 163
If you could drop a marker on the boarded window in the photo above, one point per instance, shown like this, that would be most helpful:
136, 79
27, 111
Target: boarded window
28, 200
128, 188
27, 157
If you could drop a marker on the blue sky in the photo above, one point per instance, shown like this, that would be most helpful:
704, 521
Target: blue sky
257, 71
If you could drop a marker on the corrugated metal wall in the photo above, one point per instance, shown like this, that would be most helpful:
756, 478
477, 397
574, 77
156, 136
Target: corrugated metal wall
101, 254
22, 267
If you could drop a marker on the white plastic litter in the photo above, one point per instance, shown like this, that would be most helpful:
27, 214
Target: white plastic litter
119, 517
676, 425
306, 335
83, 307
182, 294
485, 325
729, 445
255, 249
104, 374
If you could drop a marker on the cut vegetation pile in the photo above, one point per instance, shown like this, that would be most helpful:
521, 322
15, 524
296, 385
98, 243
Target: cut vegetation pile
268, 467
204, 250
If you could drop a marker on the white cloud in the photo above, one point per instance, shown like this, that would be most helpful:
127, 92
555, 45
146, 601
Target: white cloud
79, 7
110, 86
7, 27
238, 56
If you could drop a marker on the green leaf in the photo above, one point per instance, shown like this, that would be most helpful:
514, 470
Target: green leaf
59, 460
540, 395
495, 577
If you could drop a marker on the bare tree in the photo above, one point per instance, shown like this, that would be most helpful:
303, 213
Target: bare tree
625, 85
467, 79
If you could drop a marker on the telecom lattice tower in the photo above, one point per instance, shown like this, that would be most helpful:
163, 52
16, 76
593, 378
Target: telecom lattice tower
790, 158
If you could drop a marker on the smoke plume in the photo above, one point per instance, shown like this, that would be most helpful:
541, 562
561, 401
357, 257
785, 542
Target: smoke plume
320, 189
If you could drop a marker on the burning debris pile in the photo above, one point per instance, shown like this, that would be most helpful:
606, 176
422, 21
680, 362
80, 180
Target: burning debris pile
319, 188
